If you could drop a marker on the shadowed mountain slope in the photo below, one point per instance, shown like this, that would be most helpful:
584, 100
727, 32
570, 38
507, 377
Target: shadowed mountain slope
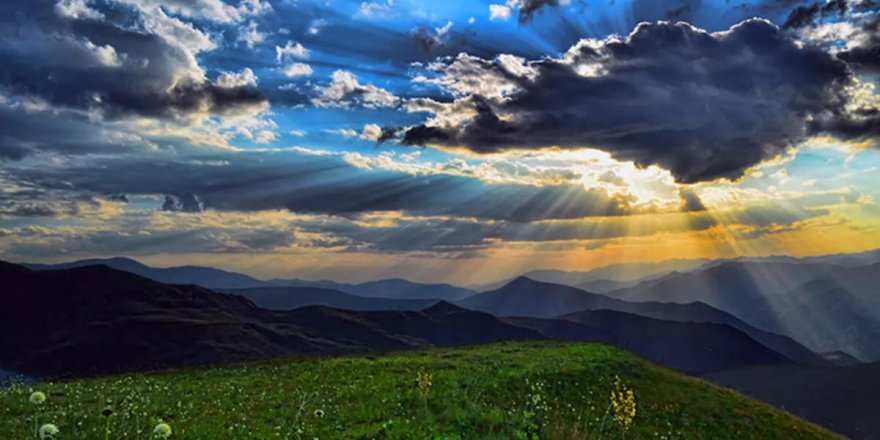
96, 320
843, 399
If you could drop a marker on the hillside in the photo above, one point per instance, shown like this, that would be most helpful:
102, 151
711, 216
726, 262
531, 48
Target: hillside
685, 346
842, 399
97, 320
504, 391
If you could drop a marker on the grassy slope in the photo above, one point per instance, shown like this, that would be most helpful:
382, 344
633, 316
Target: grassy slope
500, 391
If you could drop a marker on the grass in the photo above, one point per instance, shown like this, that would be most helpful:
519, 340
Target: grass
532, 390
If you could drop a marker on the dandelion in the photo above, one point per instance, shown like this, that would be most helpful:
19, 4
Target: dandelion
162, 430
37, 397
623, 403
423, 383
107, 412
319, 413
48, 431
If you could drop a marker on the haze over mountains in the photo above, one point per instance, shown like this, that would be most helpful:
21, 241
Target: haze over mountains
827, 304
59, 322
743, 323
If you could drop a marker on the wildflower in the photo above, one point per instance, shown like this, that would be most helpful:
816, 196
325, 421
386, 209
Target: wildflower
107, 412
48, 431
37, 397
319, 413
623, 403
162, 430
424, 382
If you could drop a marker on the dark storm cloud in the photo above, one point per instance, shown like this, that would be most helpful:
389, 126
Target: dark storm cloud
704, 106
113, 66
691, 201
528, 8
183, 203
130, 241
866, 56
653, 10
320, 184
808, 15
24, 132
859, 125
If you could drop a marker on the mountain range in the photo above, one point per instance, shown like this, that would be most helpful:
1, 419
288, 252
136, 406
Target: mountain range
825, 307
96, 320
212, 278
778, 328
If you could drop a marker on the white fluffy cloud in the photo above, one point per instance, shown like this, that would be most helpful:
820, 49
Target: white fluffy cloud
344, 90
290, 50
237, 79
77, 9
499, 12
375, 9
252, 35
297, 69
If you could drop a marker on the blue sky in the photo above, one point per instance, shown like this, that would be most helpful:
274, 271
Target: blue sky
448, 140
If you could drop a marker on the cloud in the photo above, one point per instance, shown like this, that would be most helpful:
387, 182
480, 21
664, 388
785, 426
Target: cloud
499, 12
148, 68
290, 50
865, 56
438, 38
376, 9
372, 132
691, 201
344, 90
77, 10
244, 78
297, 69
214, 10
701, 105
183, 203
316, 25
526, 9
251, 35
309, 183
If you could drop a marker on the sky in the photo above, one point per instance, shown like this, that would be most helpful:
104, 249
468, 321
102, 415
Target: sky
439, 141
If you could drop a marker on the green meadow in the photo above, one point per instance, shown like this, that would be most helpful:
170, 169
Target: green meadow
535, 390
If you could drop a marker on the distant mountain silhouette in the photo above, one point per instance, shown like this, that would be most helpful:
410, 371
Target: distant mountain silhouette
689, 347
392, 289
96, 320
524, 297
212, 278
843, 399
624, 273
208, 277
289, 298
824, 307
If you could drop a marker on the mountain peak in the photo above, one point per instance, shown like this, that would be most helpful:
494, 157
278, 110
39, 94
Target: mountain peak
442, 308
523, 280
